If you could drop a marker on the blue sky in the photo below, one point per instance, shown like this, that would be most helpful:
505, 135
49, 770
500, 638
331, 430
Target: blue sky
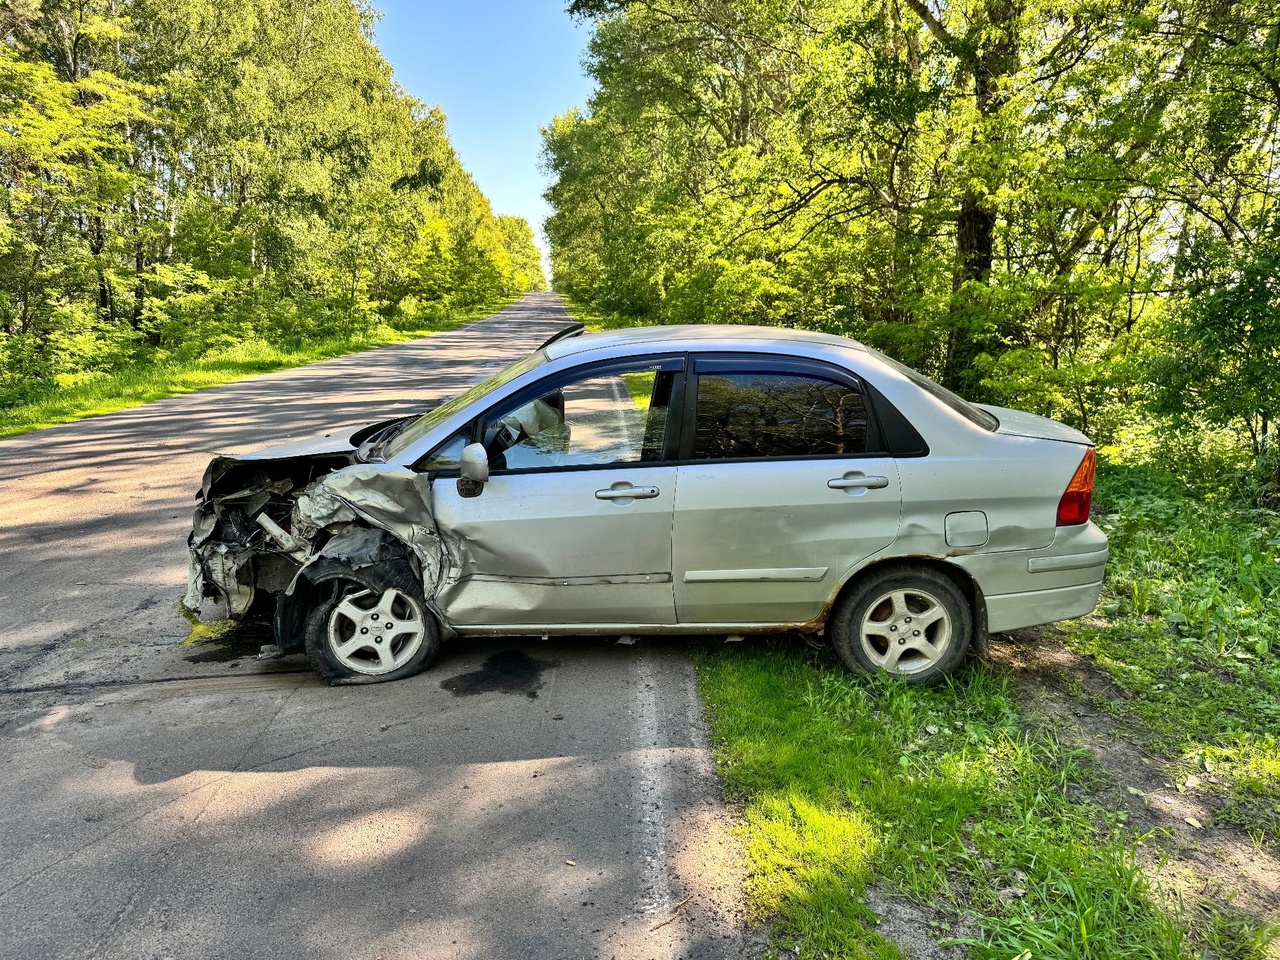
499, 69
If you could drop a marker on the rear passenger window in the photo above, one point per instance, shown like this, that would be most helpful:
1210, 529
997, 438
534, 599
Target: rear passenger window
777, 415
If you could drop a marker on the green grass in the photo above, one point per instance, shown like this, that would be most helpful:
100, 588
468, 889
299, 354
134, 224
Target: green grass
143, 383
944, 797
596, 320
941, 795
1189, 632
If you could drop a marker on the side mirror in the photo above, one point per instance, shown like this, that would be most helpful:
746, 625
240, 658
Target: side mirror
473, 470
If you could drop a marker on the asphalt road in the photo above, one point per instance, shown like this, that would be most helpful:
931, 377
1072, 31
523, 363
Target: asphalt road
522, 798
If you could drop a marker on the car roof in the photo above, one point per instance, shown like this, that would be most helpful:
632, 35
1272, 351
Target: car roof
700, 336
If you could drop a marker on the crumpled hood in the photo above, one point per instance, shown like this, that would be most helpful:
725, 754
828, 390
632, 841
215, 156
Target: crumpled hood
328, 444
1019, 423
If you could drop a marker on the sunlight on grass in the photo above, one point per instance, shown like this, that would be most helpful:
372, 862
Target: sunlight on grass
939, 795
596, 320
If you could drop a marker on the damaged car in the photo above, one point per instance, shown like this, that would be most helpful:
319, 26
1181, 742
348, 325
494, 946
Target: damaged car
695, 480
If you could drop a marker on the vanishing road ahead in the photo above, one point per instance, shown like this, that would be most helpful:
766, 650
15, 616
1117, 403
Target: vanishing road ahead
522, 798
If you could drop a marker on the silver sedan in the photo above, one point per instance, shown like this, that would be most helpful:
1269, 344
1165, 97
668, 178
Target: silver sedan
700, 480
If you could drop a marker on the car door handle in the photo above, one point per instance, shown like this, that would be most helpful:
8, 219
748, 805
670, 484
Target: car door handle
627, 493
858, 481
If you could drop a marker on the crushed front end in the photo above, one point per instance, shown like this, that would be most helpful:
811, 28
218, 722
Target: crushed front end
243, 541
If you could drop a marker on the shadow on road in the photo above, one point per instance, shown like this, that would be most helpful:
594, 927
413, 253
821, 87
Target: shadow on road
402, 813
168, 800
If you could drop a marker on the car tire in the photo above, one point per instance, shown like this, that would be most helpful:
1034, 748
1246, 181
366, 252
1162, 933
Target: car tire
912, 623
347, 638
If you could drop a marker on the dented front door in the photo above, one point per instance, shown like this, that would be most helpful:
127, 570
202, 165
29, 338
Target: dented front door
575, 547
574, 524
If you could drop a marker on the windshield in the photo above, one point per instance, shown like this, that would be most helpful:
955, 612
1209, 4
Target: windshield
417, 429
973, 414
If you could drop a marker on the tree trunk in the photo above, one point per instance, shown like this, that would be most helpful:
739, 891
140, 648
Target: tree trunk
995, 60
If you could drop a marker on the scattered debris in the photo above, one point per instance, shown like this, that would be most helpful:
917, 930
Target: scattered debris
679, 906
200, 630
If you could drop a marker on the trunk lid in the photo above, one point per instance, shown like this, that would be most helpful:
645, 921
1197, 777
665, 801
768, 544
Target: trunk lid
1018, 423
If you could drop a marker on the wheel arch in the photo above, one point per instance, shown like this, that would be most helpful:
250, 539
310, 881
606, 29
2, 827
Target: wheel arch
957, 574
355, 548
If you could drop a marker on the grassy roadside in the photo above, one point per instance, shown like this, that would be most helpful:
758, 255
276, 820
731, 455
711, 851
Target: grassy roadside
1189, 635
594, 320
143, 383
941, 796
961, 799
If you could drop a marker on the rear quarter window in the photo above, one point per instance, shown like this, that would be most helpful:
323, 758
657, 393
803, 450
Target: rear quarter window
975, 415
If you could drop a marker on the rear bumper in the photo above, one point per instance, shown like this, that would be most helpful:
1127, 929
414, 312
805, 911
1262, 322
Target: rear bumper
1012, 611
1058, 582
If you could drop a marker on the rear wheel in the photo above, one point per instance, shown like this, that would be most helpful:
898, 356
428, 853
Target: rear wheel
370, 625
913, 623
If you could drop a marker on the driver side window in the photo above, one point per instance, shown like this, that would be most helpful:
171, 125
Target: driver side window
616, 417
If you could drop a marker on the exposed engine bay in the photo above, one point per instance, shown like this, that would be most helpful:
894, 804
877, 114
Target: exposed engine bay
261, 525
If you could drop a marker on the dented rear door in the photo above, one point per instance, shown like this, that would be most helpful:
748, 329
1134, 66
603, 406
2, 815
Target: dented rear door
781, 491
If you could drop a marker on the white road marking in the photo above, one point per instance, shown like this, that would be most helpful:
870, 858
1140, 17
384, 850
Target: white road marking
651, 759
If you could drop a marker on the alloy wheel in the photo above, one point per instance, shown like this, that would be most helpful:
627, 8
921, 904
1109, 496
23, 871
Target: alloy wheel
906, 631
375, 634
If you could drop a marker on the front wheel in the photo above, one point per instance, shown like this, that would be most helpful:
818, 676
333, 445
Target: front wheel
370, 625
912, 623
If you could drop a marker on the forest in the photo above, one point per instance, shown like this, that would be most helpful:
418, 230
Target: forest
188, 176
1067, 207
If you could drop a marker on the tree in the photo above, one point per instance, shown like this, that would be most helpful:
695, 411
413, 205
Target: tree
999, 192
1221, 356
189, 173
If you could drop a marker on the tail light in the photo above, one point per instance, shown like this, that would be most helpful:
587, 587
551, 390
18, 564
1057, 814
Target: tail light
1073, 508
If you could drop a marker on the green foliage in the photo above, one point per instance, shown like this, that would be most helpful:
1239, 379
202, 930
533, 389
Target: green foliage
86, 394
1190, 626
1222, 356
183, 176
1004, 195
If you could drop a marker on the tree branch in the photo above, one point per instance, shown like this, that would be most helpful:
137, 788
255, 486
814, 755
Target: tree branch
921, 10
